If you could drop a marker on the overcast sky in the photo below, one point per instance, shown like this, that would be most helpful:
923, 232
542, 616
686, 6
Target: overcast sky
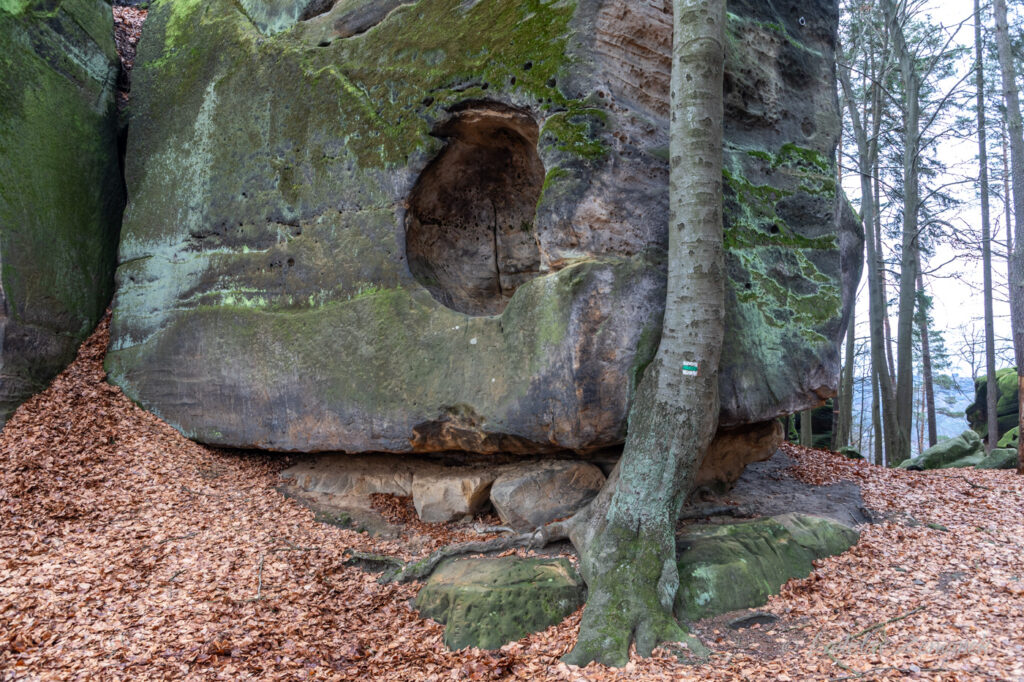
957, 305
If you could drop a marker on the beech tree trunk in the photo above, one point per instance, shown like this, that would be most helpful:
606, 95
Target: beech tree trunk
1015, 131
991, 417
626, 536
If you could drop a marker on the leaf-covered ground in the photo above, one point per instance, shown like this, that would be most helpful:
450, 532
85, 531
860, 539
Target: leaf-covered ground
129, 552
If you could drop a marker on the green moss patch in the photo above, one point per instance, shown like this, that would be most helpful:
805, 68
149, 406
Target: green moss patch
488, 603
737, 566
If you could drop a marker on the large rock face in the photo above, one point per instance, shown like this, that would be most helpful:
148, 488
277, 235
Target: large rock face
61, 193
421, 226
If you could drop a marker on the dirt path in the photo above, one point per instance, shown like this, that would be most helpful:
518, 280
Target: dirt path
128, 552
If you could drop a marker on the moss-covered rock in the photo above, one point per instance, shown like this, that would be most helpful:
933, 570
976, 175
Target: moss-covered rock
850, 452
61, 192
488, 603
737, 566
285, 283
999, 458
1010, 439
963, 450
1007, 405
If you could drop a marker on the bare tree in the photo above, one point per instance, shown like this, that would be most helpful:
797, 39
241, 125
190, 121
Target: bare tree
1015, 131
991, 418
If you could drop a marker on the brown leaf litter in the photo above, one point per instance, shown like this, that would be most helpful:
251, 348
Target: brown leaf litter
129, 552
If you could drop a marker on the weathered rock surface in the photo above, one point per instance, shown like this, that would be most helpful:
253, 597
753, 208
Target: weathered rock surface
451, 493
1010, 439
999, 458
487, 603
1007, 405
733, 449
61, 192
966, 449
441, 225
529, 495
737, 566
769, 488
348, 482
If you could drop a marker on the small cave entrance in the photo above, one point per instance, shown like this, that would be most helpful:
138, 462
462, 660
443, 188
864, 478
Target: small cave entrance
470, 226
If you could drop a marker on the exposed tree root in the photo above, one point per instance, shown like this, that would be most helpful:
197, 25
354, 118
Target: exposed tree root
418, 570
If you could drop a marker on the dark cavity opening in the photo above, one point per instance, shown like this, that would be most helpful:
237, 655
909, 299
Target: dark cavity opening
470, 228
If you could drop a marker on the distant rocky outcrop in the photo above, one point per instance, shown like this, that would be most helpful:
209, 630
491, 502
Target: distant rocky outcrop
441, 225
61, 192
1007, 405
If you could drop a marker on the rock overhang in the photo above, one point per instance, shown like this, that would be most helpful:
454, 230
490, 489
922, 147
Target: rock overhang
276, 273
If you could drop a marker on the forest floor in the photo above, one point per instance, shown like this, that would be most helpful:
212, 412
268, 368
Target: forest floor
129, 552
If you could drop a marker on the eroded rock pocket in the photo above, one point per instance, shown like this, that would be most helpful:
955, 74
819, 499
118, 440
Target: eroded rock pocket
470, 229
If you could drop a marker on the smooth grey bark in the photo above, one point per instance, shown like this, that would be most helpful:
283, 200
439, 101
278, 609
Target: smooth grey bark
844, 411
910, 245
991, 417
867, 154
1015, 131
806, 429
876, 419
626, 536
926, 369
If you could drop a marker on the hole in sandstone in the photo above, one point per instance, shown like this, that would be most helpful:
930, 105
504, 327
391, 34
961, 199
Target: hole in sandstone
469, 231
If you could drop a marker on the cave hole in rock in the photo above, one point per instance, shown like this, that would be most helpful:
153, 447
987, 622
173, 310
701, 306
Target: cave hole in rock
470, 235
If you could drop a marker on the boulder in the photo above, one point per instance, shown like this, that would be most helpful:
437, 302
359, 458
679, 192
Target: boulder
850, 452
999, 458
947, 452
1007, 405
451, 493
442, 225
487, 603
61, 192
738, 566
1010, 439
529, 495
348, 482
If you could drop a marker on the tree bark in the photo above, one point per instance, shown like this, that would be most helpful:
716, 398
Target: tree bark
867, 148
626, 536
991, 417
910, 244
1016, 134
806, 428
926, 369
844, 411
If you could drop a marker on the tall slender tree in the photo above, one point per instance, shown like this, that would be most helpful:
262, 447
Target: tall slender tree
627, 546
844, 409
1015, 131
991, 417
927, 387
896, 17
866, 139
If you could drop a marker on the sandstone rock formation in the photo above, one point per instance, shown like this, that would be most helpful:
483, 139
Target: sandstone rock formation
1007, 405
61, 192
738, 566
488, 603
418, 226
529, 496
966, 449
